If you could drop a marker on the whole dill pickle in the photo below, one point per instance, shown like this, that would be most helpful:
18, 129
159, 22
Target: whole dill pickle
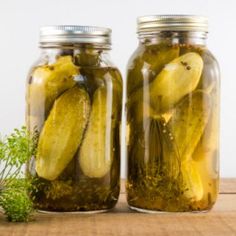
178, 78
209, 142
189, 121
192, 183
50, 81
62, 133
96, 151
148, 64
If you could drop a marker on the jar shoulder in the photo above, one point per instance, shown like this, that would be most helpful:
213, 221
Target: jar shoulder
147, 57
52, 62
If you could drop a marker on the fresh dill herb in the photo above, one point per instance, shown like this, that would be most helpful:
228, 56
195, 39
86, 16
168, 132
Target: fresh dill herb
15, 150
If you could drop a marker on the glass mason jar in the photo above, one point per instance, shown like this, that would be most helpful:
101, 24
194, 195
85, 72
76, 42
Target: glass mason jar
172, 117
74, 96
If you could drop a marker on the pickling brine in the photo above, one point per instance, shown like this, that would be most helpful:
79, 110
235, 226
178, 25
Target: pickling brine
74, 97
172, 117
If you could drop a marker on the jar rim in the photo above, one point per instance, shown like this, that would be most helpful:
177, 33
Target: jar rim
157, 23
72, 34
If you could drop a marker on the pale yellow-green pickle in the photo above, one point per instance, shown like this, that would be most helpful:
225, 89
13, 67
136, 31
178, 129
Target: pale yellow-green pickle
192, 183
188, 122
96, 152
49, 81
151, 58
62, 133
177, 79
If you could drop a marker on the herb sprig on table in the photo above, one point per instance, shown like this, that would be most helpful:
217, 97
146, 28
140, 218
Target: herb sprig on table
15, 150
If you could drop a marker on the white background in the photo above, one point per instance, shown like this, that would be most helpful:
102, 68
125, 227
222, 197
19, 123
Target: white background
19, 27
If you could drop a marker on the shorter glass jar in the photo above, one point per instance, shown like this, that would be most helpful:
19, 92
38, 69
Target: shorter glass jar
74, 97
172, 117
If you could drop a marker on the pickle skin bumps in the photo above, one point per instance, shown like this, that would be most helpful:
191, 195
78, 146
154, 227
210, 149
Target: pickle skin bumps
95, 156
62, 133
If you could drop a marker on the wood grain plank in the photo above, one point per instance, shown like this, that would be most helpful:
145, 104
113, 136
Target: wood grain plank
121, 221
212, 223
127, 224
228, 185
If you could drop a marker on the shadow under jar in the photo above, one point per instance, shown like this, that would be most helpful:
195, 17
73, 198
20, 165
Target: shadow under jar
172, 112
74, 96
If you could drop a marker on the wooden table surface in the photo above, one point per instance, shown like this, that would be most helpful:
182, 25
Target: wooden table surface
221, 220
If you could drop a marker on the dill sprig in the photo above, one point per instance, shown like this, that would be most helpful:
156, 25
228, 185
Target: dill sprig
15, 150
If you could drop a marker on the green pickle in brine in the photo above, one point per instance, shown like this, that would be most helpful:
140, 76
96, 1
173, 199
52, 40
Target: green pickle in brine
77, 119
178, 78
47, 83
62, 133
152, 58
188, 122
96, 162
170, 119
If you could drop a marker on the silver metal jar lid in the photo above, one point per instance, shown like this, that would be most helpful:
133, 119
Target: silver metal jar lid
154, 23
75, 34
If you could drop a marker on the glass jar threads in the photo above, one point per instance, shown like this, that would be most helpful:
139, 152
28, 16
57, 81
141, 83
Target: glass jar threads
172, 116
74, 99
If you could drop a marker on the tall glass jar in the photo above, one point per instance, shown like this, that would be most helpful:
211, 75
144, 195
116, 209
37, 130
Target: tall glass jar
172, 117
74, 96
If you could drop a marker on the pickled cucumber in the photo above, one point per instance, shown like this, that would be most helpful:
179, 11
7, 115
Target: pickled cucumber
209, 141
178, 78
152, 58
193, 187
207, 148
49, 81
88, 57
62, 133
96, 152
188, 122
